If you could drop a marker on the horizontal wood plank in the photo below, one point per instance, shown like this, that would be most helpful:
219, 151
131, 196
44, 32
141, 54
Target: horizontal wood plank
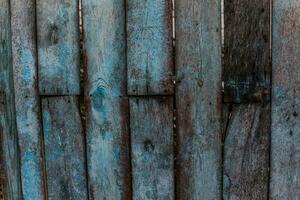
149, 47
151, 126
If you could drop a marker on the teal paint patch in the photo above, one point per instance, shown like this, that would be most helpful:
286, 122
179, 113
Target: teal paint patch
27, 63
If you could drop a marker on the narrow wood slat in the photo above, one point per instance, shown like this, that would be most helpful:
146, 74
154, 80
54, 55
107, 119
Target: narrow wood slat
151, 125
285, 155
26, 97
246, 152
64, 148
107, 106
58, 47
246, 50
10, 169
198, 98
149, 47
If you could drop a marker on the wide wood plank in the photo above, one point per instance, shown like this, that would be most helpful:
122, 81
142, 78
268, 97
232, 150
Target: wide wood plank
9, 160
58, 46
246, 152
149, 47
285, 155
246, 50
106, 103
64, 148
151, 127
26, 97
198, 98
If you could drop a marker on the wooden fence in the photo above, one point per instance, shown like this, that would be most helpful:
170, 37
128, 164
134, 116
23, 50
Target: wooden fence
136, 104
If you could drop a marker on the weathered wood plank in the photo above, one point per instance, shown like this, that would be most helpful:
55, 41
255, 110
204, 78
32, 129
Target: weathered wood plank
26, 97
246, 152
246, 50
58, 47
107, 107
198, 98
151, 125
285, 155
10, 177
149, 47
64, 148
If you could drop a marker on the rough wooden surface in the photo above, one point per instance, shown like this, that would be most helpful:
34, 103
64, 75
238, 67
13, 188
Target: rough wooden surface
198, 99
10, 173
26, 97
151, 126
246, 152
107, 107
246, 50
58, 47
149, 47
285, 155
64, 148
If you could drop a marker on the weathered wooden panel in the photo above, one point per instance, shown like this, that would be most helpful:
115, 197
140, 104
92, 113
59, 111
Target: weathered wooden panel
64, 148
151, 125
26, 97
246, 50
107, 106
149, 47
246, 152
285, 155
58, 46
10, 173
198, 98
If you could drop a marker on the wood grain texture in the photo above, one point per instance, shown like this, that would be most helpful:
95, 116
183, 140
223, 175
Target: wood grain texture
26, 97
149, 47
198, 99
10, 169
246, 152
151, 126
106, 103
64, 148
58, 46
285, 154
246, 50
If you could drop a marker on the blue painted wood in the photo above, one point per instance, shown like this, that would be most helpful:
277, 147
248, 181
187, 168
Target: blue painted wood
58, 47
149, 47
10, 177
107, 107
198, 98
64, 148
151, 127
26, 98
285, 151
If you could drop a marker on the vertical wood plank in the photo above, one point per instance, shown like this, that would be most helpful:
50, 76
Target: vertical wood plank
246, 50
10, 177
58, 47
151, 124
246, 152
26, 97
64, 148
285, 155
198, 98
149, 47
107, 105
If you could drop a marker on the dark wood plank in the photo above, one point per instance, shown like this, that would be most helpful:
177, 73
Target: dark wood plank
64, 148
106, 103
58, 46
151, 125
246, 152
149, 47
9, 163
26, 98
285, 155
246, 50
198, 98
